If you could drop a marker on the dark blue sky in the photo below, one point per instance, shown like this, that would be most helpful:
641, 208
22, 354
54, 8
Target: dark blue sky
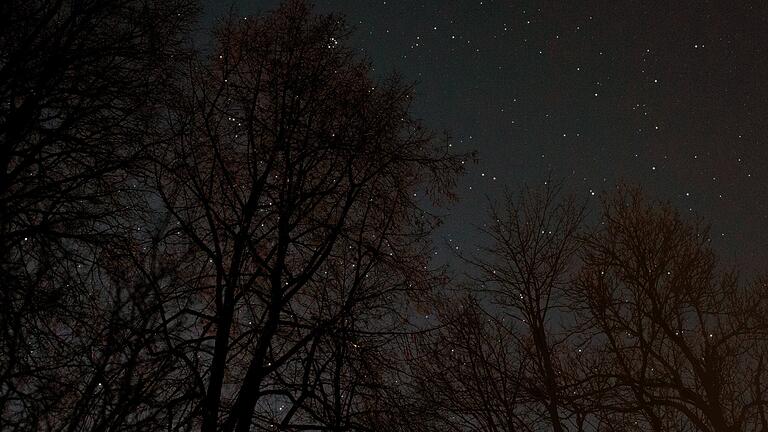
671, 96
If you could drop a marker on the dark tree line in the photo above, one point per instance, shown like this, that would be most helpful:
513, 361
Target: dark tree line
220, 241
240, 239
81, 83
626, 324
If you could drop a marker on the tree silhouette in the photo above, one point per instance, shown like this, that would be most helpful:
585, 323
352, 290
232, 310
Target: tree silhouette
683, 341
630, 325
293, 186
80, 82
498, 363
239, 239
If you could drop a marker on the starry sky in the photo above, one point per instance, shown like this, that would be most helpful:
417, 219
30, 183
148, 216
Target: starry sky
671, 96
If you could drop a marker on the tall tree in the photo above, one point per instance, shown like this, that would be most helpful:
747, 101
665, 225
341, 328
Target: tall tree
682, 341
80, 83
295, 186
498, 364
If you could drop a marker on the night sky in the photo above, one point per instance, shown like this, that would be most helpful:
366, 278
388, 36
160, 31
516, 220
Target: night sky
671, 96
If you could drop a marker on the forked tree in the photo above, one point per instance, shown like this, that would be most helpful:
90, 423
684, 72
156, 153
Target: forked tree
80, 85
295, 186
682, 342
497, 362
651, 334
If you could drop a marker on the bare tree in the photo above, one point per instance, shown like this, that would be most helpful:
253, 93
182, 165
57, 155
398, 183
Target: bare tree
470, 375
80, 83
682, 341
649, 334
242, 241
499, 359
294, 184
526, 270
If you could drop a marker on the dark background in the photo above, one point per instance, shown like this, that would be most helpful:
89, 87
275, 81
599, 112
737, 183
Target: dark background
670, 96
